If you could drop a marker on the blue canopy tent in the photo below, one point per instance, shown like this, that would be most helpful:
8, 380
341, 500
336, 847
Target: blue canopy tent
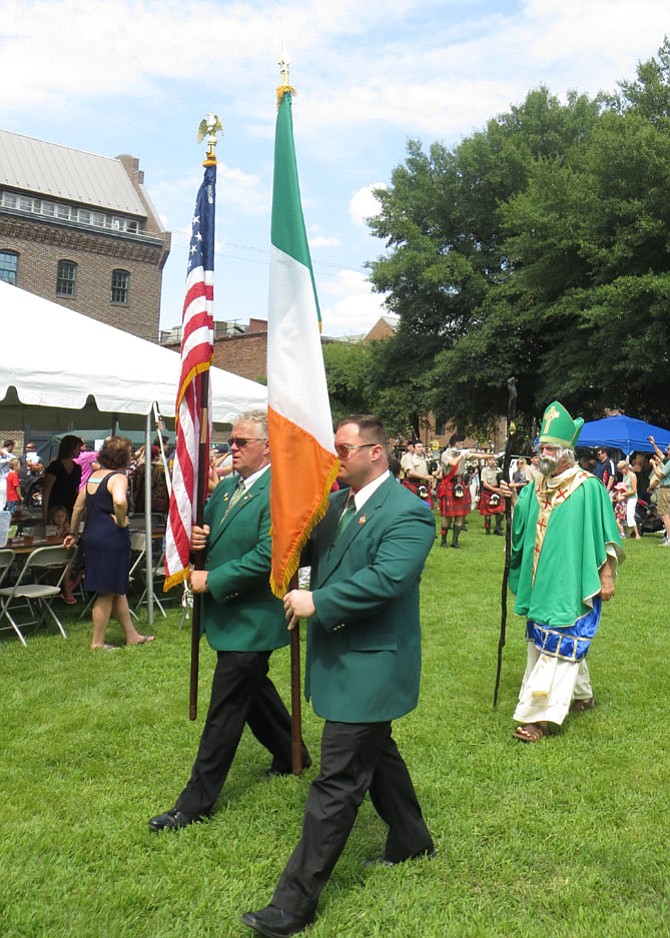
624, 433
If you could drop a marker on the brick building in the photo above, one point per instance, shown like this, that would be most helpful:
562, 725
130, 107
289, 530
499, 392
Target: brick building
80, 230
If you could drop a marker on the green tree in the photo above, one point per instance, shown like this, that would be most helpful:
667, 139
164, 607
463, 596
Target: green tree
347, 366
442, 220
539, 247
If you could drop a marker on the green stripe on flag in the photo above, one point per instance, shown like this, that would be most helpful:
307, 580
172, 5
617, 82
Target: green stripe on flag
288, 224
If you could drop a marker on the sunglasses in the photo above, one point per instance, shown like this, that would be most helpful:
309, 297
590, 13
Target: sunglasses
344, 450
240, 441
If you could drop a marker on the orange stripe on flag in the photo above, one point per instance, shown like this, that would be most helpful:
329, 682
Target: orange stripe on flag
303, 473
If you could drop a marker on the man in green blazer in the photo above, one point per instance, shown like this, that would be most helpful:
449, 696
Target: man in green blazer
243, 622
362, 672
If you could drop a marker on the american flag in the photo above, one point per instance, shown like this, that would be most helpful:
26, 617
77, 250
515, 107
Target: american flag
197, 345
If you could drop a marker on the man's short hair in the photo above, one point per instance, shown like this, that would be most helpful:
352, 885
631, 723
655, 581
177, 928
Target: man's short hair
259, 417
369, 427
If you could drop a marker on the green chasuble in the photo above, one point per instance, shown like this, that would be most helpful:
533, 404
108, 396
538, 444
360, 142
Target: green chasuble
579, 528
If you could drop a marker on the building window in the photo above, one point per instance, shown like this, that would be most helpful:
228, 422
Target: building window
120, 287
66, 278
63, 212
9, 263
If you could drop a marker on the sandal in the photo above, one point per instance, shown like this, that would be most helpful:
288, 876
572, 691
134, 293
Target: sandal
69, 600
530, 733
581, 706
143, 640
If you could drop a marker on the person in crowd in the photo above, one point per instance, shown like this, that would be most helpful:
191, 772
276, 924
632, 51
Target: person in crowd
62, 477
407, 458
244, 624
565, 553
32, 458
6, 453
619, 505
604, 468
59, 524
87, 460
660, 478
160, 498
521, 475
415, 471
534, 468
491, 499
453, 491
30, 465
629, 497
473, 482
642, 469
394, 468
103, 502
14, 496
221, 465
362, 670
58, 519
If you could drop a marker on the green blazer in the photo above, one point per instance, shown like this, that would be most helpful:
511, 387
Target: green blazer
239, 613
364, 642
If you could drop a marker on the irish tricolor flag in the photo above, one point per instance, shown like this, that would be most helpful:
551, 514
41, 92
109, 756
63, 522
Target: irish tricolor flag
304, 463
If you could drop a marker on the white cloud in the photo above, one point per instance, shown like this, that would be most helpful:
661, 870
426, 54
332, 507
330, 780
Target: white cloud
363, 204
401, 64
324, 241
350, 307
242, 190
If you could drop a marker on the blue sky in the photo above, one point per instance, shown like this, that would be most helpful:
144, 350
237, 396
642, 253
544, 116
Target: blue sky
123, 76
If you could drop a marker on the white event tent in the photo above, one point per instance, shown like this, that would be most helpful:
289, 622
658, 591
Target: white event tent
61, 370
55, 362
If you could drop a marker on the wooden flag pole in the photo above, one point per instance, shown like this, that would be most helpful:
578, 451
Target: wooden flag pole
199, 557
296, 695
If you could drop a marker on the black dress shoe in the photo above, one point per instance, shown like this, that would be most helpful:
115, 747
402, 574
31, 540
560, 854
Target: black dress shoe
171, 820
274, 922
279, 772
382, 861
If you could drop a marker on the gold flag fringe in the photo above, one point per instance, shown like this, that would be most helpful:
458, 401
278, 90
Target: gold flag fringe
175, 579
282, 90
279, 589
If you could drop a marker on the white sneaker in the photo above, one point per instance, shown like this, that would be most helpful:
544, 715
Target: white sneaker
665, 542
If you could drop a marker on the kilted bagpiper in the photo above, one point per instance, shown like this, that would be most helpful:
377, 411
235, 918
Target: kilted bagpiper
454, 494
491, 500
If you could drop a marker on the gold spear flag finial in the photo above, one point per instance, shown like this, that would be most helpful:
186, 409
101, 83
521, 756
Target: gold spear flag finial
284, 65
209, 126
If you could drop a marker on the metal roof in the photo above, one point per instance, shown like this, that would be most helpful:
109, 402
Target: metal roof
49, 169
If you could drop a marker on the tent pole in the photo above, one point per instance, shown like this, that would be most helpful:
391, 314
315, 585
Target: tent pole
147, 521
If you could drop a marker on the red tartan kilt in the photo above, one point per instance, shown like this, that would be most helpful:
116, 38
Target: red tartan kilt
414, 487
485, 507
451, 507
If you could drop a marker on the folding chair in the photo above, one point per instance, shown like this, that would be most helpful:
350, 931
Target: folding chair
33, 595
158, 576
6, 560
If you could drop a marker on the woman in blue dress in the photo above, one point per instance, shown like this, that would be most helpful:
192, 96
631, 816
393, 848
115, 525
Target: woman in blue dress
103, 501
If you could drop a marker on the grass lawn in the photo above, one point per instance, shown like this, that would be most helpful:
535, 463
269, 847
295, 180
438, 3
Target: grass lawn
567, 837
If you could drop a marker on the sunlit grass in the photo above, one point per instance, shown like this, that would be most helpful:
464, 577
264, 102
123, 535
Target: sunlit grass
563, 838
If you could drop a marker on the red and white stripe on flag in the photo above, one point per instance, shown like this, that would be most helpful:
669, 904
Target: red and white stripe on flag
197, 345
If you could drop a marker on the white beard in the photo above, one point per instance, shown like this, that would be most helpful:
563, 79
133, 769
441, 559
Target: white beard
548, 465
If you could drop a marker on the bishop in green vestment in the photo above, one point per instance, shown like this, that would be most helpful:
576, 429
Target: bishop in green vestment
565, 552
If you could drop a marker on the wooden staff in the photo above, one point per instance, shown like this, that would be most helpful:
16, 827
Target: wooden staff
199, 556
296, 693
511, 430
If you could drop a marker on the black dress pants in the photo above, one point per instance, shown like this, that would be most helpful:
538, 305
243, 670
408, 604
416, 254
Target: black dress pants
242, 693
355, 758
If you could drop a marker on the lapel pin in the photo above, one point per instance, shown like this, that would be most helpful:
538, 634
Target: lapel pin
362, 520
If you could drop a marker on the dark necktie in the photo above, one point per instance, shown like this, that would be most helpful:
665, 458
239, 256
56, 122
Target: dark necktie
237, 495
345, 519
